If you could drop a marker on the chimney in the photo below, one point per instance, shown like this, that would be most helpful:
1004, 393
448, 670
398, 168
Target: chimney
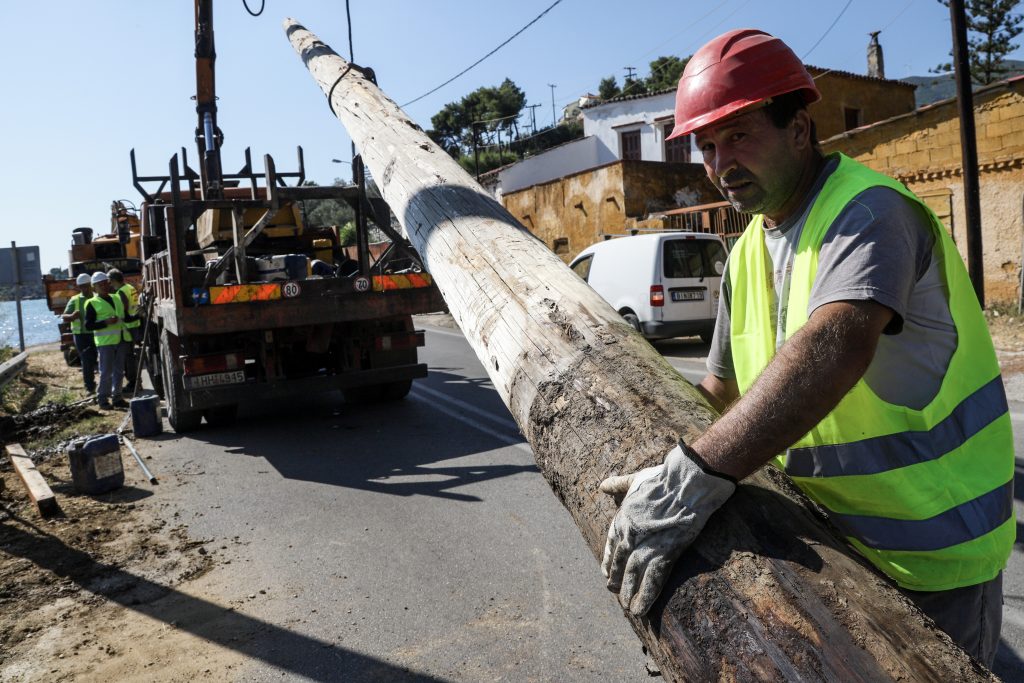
876, 64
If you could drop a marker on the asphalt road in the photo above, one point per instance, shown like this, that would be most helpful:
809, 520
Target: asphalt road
417, 541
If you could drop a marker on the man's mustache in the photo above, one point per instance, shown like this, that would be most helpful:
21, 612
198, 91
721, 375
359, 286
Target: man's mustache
735, 178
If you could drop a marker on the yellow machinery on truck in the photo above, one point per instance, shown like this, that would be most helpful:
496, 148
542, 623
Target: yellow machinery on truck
246, 300
120, 248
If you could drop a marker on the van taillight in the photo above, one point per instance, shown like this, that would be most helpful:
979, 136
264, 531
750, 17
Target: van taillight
657, 295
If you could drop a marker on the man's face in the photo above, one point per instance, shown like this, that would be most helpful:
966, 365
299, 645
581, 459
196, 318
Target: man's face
103, 287
86, 290
755, 165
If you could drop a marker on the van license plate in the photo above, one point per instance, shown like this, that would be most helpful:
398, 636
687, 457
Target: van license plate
689, 295
214, 380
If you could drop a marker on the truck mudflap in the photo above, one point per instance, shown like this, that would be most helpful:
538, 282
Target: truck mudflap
230, 394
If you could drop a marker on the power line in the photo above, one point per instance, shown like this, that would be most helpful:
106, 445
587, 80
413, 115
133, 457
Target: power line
636, 83
348, 21
891, 22
509, 40
255, 14
831, 26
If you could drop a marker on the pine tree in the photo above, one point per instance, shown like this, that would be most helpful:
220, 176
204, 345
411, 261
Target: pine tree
608, 88
994, 27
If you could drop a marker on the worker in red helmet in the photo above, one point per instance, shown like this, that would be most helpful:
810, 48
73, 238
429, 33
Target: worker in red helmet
850, 341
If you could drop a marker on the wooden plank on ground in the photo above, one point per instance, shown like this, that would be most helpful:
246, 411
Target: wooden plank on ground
37, 488
12, 367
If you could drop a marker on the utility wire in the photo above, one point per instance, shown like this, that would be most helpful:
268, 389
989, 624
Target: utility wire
509, 40
348, 20
263, 3
891, 22
662, 66
831, 26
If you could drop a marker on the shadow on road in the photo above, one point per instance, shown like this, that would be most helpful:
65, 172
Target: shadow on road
682, 347
369, 447
287, 650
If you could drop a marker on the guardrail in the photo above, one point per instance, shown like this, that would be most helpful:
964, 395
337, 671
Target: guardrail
12, 367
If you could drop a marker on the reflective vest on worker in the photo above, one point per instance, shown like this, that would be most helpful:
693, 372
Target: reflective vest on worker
926, 495
132, 295
77, 303
111, 334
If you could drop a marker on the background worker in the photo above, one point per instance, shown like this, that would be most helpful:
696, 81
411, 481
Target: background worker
74, 313
848, 338
130, 297
104, 316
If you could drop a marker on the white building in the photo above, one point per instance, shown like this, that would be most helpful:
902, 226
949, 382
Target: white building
635, 127
632, 128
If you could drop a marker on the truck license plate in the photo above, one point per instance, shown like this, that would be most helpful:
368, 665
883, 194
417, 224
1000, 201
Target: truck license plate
214, 380
689, 295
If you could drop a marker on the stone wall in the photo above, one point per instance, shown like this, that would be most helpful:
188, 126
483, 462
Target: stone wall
922, 149
571, 213
876, 99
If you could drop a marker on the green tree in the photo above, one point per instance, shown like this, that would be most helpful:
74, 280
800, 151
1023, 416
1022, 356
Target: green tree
486, 110
991, 28
326, 212
608, 88
665, 73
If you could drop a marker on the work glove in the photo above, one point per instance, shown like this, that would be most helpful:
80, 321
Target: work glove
662, 511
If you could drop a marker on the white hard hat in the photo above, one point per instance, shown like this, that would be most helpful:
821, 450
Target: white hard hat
83, 279
99, 276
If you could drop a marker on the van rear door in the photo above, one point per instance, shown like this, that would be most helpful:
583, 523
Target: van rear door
690, 279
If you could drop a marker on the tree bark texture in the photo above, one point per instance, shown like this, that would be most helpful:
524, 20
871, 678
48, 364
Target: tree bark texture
768, 591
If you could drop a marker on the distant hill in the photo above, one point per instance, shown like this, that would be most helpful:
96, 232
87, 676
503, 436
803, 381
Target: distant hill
942, 86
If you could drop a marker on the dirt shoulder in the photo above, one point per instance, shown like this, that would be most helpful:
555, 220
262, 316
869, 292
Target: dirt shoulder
94, 592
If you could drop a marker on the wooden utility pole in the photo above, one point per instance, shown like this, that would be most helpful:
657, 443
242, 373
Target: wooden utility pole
767, 592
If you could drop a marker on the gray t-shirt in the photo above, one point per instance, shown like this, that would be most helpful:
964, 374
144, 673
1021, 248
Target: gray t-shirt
880, 248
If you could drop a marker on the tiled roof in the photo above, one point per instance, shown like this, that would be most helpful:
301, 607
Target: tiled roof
816, 71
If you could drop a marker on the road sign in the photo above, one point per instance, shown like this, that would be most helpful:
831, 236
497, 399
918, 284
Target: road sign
28, 264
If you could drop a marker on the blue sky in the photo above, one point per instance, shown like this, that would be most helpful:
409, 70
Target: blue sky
84, 82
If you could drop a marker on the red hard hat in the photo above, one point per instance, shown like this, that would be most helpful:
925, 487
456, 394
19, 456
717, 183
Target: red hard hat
734, 71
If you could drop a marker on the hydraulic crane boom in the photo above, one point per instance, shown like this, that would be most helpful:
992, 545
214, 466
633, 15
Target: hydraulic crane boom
209, 137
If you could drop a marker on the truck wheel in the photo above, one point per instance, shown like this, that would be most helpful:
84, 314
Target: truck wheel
181, 420
221, 416
156, 375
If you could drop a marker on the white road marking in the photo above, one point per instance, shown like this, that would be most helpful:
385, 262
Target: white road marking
457, 408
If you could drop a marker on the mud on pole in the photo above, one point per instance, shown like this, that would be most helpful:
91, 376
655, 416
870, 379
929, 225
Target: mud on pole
768, 592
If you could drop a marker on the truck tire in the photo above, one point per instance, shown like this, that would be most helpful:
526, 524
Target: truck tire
174, 392
221, 416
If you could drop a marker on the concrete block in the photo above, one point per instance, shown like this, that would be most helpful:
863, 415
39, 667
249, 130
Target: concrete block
1013, 142
996, 129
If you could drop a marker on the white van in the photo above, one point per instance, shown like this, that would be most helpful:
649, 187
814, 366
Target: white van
664, 284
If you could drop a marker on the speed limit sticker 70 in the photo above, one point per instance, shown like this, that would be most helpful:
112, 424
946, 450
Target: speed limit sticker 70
291, 290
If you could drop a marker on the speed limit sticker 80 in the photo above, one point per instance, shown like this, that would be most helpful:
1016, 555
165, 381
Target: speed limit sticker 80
291, 290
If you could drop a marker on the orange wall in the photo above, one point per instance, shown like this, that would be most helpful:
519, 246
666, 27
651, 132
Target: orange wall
923, 151
581, 207
877, 100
